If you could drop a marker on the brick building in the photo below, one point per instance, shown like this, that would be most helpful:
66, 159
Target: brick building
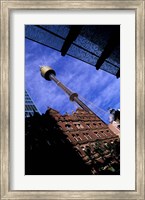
77, 144
90, 136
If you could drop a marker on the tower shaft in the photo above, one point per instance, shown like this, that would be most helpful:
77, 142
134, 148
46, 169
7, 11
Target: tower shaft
49, 74
73, 96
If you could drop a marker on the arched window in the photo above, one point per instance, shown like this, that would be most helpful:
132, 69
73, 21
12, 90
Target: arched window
78, 125
88, 125
100, 124
83, 148
68, 126
94, 124
78, 136
74, 136
97, 134
85, 136
88, 136
118, 126
108, 131
103, 133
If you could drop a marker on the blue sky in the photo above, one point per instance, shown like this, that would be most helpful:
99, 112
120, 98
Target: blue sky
99, 90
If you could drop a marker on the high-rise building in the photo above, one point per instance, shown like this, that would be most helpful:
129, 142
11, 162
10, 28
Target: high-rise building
30, 108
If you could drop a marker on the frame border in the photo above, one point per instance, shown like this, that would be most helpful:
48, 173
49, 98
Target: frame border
6, 7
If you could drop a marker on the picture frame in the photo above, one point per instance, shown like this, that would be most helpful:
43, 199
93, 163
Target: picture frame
6, 7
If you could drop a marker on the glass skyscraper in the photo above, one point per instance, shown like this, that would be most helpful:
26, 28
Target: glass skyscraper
30, 108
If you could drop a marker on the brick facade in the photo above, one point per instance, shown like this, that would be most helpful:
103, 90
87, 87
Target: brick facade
88, 134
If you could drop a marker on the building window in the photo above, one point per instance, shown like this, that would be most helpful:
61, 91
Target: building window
94, 124
112, 142
88, 125
118, 126
85, 136
74, 136
106, 145
88, 151
79, 126
100, 124
83, 148
109, 132
68, 126
88, 136
78, 136
102, 132
97, 134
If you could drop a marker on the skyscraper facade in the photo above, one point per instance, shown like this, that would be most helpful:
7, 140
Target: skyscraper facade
30, 108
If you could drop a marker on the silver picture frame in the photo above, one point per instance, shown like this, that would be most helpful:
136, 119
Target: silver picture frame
6, 7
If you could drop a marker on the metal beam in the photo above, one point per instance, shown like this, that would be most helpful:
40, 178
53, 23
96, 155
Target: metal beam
72, 35
113, 42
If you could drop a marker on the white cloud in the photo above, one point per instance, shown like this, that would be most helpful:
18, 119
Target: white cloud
99, 87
